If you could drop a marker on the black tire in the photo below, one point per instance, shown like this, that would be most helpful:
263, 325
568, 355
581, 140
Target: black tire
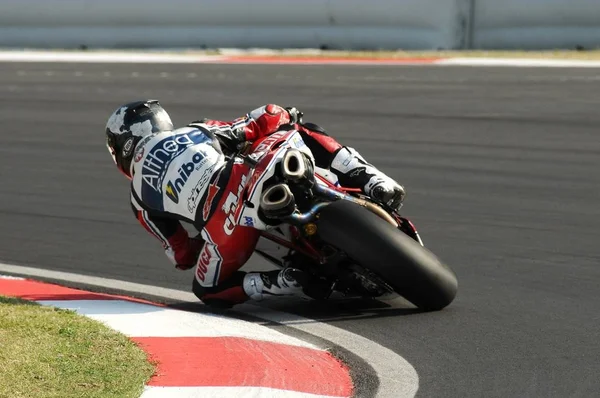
413, 271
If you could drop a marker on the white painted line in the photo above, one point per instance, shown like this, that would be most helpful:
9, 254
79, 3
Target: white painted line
397, 377
520, 62
223, 392
144, 320
102, 57
294, 52
17, 278
317, 62
179, 58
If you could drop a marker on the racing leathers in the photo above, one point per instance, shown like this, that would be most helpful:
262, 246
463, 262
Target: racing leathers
186, 175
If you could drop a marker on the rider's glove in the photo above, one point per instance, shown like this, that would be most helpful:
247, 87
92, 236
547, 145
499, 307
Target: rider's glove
189, 257
183, 251
295, 114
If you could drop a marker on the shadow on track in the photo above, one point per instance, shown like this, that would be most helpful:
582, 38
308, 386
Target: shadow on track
331, 310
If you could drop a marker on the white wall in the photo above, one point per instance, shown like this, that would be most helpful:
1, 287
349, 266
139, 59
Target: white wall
536, 24
390, 24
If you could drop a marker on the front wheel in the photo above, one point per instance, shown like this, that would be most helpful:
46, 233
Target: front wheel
411, 270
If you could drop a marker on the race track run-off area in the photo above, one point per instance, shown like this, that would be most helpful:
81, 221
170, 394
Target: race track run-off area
500, 165
200, 355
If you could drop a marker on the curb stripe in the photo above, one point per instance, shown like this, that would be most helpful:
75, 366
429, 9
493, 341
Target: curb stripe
223, 392
38, 291
150, 58
234, 361
179, 58
194, 350
142, 320
397, 377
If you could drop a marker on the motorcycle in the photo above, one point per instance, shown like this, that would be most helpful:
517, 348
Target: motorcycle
345, 241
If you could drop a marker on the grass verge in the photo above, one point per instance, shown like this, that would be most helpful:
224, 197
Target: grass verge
49, 352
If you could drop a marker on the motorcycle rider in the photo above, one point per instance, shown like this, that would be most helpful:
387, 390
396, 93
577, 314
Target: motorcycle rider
184, 174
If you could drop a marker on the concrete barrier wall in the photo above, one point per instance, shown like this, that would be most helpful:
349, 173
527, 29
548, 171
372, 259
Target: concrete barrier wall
536, 24
338, 24
389, 24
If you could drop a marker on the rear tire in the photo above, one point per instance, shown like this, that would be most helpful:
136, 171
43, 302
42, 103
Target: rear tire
411, 270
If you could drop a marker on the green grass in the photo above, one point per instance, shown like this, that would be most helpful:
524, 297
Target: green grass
48, 352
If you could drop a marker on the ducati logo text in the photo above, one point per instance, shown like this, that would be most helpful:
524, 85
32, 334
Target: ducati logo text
231, 206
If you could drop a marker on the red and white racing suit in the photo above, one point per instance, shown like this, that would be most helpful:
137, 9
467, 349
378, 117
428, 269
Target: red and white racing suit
182, 175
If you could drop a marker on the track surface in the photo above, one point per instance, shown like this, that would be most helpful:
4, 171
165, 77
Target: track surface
501, 167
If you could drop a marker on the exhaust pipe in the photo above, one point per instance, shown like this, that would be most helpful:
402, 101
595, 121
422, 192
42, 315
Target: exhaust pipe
296, 166
277, 201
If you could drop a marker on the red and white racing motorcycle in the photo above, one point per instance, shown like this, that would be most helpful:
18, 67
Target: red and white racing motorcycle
345, 240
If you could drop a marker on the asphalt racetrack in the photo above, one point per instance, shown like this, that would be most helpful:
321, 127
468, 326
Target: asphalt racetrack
501, 166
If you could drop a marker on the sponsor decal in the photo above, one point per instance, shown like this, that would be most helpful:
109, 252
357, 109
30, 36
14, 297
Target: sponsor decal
264, 146
174, 187
249, 221
198, 189
213, 189
128, 147
356, 172
209, 264
231, 206
203, 263
145, 140
266, 280
172, 194
162, 154
139, 155
297, 141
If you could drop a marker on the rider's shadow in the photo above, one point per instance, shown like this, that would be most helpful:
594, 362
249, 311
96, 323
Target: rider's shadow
306, 311
341, 309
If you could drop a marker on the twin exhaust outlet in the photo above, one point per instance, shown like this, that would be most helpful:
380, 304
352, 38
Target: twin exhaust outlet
278, 200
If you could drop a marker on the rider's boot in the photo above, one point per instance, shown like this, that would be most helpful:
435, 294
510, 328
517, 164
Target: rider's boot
353, 171
285, 282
